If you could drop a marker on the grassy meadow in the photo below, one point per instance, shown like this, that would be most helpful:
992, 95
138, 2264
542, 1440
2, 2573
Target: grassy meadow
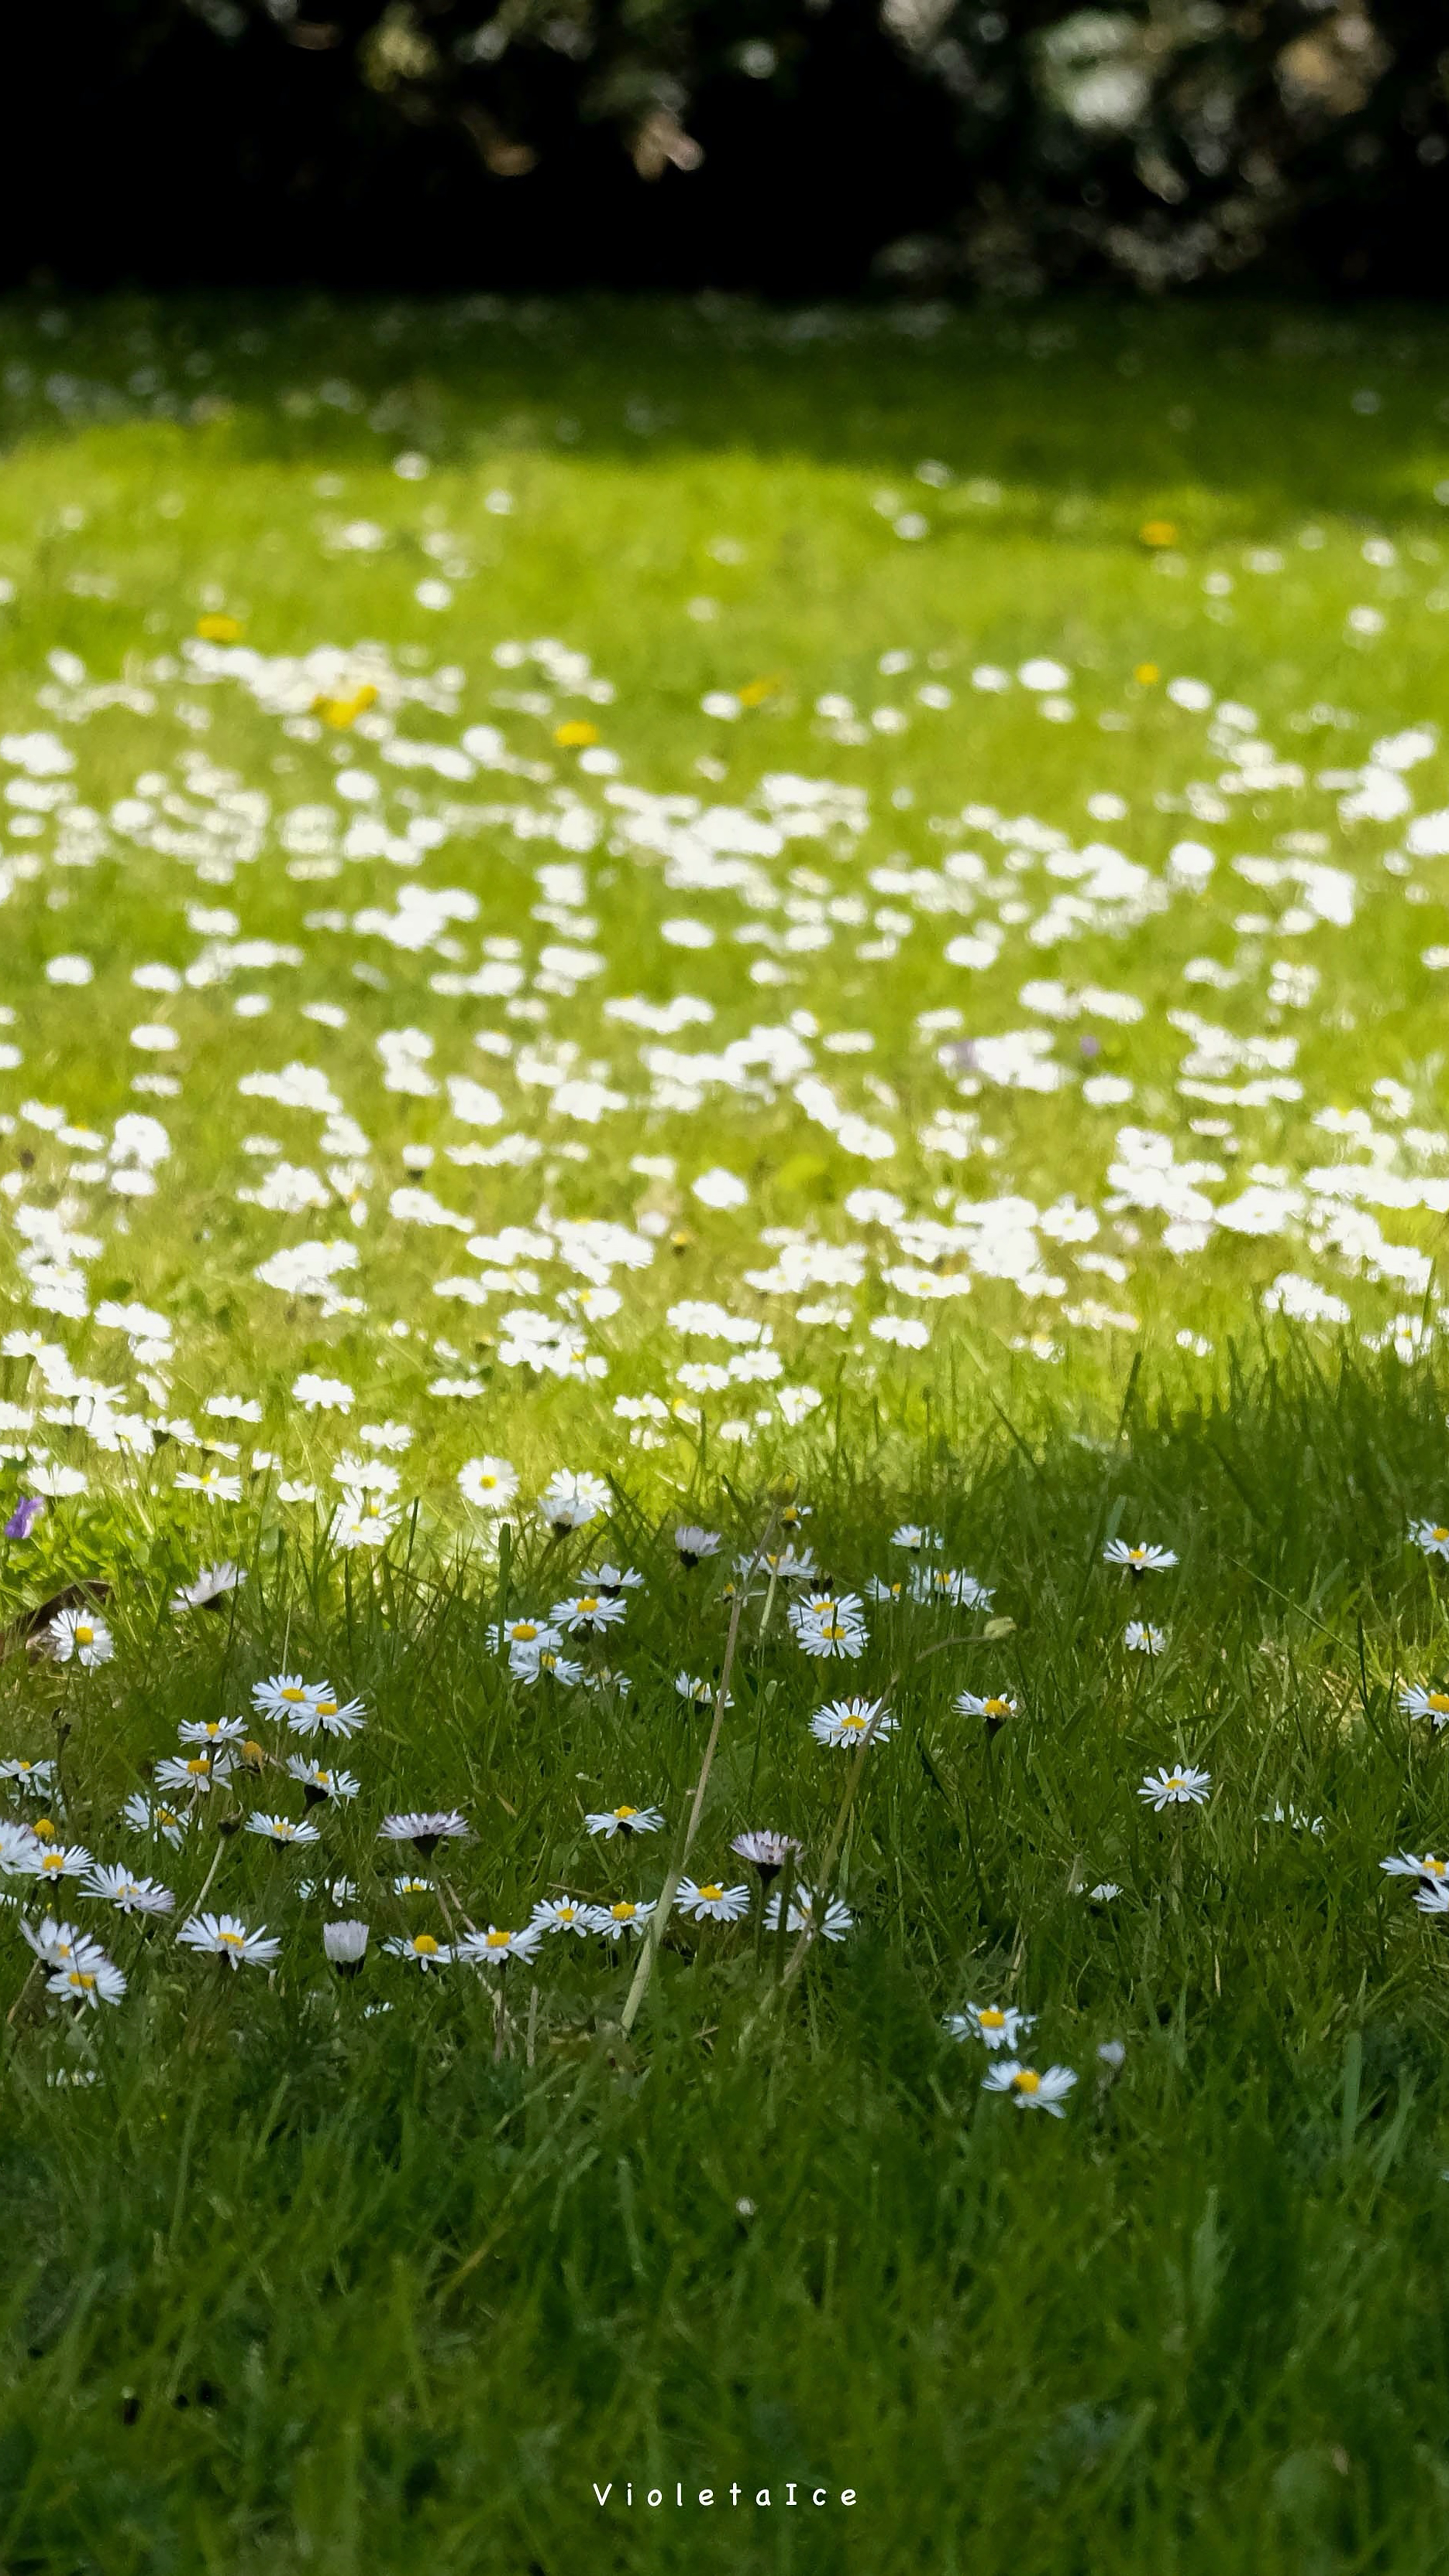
700, 1006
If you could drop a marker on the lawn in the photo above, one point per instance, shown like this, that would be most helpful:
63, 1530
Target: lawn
700, 1006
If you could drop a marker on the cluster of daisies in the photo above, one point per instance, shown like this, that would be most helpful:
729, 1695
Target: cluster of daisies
1001, 2028
298, 1732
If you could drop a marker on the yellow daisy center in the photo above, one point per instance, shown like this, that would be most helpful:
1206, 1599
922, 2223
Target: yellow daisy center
292, 1693
524, 1632
425, 1946
233, 1940
1439, 1701
85, 1636
497, 1940
997, 1707
991, 2018
623, 1913
624, 1813
1434, 1868
1439, 1533
1026, 2080
43, 1829
587, 1604
713, 1891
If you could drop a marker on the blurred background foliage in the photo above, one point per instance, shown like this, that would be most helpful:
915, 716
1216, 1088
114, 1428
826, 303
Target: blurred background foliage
785, 146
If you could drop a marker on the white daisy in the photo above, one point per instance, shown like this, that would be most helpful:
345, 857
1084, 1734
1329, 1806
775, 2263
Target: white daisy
317, 1784
325, 1714
208, 1589
1029, 2090
806, 1915
565, 1914
589, 1613
1429, 1869
281, 1831
1416, 1701
363, 1520
344, 1946
949, 1584
225, 1936
538, 1633
996, 1710
1141, 1559
33, 1779
828, 1626
495, 1948
61, 1860
768, 1851
147, 1816
1431, 1536
195, 1774
212, 1730
488, 1483
20, 1851
214, 1482
1181, 1788
998, 2025
694, 1689
694, 1543
708, 1901
570, 1502
420, 1950
626, 1919
424, 1828
625, 1821
284, 1693
88, 1981
78, 1636
1141, 1639
115, 1886
530, 1664
849, 1722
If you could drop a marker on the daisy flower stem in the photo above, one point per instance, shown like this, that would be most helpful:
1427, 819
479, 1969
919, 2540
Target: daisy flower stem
787, 1890
217, 1858
649, 1946
29, 1980
825, 1878
505, 1569
449, 1899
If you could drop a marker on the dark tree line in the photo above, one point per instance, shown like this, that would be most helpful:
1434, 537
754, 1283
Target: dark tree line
789, 145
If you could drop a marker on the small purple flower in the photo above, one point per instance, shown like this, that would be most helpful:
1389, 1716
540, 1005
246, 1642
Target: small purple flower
24, 1517
1089, 1046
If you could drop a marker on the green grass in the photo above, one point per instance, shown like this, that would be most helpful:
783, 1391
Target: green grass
315, 2275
